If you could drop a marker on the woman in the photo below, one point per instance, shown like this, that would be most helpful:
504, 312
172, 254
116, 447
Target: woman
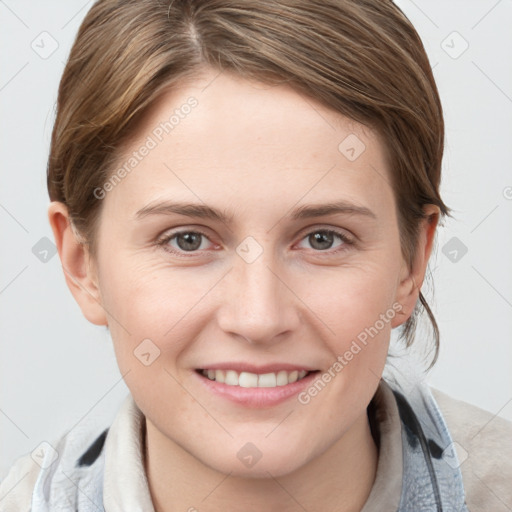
247, 195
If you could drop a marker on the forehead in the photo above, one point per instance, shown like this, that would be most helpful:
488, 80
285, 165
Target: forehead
224, 137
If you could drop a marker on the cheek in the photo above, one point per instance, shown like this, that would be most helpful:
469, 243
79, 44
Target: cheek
359, 314
350, 299
153, 302
358, 309
140, 295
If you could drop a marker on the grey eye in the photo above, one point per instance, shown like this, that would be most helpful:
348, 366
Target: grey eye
188, 241
321, 240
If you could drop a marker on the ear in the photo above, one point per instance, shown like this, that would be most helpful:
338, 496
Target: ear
411, 280
78, 267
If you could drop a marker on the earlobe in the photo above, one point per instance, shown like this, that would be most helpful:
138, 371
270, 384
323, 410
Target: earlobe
411, 279
79, 271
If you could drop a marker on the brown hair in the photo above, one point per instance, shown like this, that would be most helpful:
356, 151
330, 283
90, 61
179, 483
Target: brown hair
361, 58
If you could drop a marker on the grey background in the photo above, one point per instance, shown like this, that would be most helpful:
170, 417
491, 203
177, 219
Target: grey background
57, 370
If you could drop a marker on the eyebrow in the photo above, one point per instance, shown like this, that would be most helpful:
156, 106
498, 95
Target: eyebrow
207, 212
187, 209
339, 207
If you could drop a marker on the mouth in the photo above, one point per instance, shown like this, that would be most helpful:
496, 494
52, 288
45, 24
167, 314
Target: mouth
254, 380
255, 390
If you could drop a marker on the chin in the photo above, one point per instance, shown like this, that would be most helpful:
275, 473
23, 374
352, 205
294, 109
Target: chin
261, 470
251, 462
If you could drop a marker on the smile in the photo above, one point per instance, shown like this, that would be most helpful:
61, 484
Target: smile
255, 386
255, 380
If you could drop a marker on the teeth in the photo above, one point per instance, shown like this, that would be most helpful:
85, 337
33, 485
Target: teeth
282, 378
231, 378
267, 380
248, 380
253, 380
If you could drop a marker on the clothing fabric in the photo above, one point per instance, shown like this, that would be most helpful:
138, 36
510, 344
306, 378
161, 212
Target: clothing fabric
418, 467
484, 441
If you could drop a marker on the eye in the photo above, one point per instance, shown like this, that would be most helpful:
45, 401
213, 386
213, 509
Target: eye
184, 241
325, 239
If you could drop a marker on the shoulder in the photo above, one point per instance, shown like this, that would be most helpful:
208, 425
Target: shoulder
17, 487
483, 442
44, 474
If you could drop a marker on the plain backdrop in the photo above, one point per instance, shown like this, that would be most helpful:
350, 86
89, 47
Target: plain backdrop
57, 370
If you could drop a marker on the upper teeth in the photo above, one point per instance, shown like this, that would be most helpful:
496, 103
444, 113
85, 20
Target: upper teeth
254, 380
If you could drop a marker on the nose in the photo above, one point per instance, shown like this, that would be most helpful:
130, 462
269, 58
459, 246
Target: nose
257, 304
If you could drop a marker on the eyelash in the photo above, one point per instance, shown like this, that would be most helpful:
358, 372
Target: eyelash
347, 241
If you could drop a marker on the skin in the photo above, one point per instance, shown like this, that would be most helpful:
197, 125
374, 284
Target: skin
257, 153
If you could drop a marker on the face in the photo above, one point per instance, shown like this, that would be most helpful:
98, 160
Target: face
257, 233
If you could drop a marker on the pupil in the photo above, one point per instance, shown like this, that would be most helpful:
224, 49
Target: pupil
189, 241
321, 240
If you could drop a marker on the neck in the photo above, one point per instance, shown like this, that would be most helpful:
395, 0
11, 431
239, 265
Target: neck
340, 479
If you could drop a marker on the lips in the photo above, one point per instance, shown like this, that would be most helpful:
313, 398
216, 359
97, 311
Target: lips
255, 385
248, 379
